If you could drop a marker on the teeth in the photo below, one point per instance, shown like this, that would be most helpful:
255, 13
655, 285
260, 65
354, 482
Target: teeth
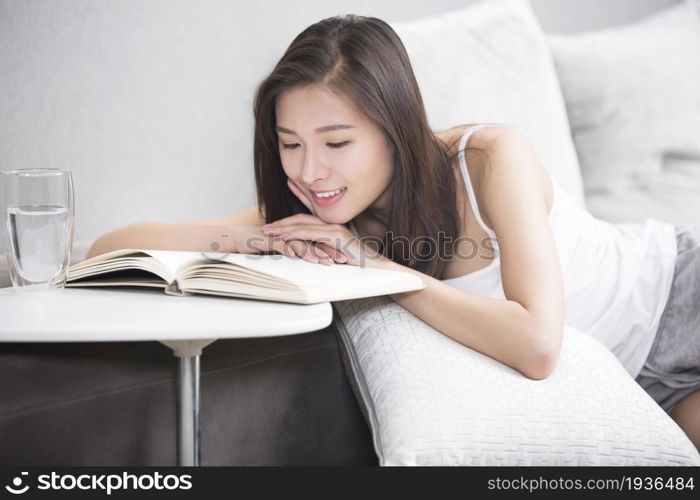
329, 193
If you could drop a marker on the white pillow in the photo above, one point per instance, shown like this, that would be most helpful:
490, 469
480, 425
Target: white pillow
430, 400
633, 95
489, 62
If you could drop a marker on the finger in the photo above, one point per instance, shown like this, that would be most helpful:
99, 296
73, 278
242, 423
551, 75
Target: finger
301, 249
299, 194
335, 254
318, 234
283, 248
309, 252
294, 220
292, 227
323, 251
323, 257
326, 254
292, 248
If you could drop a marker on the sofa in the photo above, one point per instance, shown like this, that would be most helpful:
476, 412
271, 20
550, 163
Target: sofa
296, 400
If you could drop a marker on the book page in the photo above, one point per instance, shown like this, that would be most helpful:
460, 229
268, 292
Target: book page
162, 263
176, 260
291, 274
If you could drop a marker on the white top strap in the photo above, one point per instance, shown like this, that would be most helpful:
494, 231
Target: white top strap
467, 181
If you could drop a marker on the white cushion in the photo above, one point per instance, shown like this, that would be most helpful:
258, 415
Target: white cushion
489, 62
430, 400
674, 197
633, 95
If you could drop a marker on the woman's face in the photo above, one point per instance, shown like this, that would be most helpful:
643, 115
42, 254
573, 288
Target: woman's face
326, 144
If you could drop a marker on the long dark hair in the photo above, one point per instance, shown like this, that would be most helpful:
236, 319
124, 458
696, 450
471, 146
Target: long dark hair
363, 59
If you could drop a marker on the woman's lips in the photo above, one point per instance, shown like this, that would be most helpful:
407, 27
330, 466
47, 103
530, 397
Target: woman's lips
330, 200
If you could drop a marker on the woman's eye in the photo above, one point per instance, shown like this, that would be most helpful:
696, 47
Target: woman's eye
334, 145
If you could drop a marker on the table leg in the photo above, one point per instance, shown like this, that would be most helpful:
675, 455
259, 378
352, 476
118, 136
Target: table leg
188, 398
188, 406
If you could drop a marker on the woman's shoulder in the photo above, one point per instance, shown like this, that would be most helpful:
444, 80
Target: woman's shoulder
485, 138
491, 136
490, 145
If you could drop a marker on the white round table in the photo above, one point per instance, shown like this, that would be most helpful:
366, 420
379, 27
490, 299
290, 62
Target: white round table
185, 324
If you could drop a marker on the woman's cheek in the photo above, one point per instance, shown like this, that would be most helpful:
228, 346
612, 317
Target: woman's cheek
288, 168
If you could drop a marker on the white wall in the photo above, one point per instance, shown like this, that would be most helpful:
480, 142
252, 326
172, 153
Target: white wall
149, 103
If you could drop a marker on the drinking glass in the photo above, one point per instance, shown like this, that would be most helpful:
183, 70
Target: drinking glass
38, 214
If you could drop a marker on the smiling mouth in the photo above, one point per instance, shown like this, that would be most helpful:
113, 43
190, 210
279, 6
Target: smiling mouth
328, 194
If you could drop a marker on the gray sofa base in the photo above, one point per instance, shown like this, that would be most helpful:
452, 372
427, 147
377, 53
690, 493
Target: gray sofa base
266, 401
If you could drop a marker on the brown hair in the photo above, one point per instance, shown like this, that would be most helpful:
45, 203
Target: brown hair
363, 59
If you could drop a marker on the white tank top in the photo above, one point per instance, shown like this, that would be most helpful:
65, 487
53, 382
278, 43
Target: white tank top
617, 277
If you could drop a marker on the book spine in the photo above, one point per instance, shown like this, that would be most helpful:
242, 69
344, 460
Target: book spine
174, 289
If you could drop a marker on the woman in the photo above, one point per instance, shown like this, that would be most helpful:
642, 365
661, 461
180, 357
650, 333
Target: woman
348, 171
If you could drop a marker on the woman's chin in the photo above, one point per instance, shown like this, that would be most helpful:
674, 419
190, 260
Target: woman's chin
334, 219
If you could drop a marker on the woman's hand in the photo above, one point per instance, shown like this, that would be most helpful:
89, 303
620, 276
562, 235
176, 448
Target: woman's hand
250, 239
303, 232
310, 237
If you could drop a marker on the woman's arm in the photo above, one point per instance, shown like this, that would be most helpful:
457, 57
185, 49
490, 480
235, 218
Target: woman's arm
163, 236
206, 235
524, 331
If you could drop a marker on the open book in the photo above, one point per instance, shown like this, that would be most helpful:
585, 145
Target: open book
273, 277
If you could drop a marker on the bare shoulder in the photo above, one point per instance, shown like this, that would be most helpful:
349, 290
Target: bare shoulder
499, 139
450, 137
491, 139
498, 151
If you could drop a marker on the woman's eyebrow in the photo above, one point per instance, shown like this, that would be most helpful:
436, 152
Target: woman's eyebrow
326, 128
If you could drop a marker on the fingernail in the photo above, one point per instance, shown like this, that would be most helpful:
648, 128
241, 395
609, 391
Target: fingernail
281, 235
266, 225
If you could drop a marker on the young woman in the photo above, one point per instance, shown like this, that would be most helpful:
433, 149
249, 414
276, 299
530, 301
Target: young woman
349, 172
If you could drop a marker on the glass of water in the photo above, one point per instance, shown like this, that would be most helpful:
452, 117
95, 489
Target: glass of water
39, 219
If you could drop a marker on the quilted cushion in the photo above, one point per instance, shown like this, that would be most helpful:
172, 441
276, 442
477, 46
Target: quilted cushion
430, 400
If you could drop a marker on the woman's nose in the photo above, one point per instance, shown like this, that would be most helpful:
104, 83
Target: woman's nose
314, 168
